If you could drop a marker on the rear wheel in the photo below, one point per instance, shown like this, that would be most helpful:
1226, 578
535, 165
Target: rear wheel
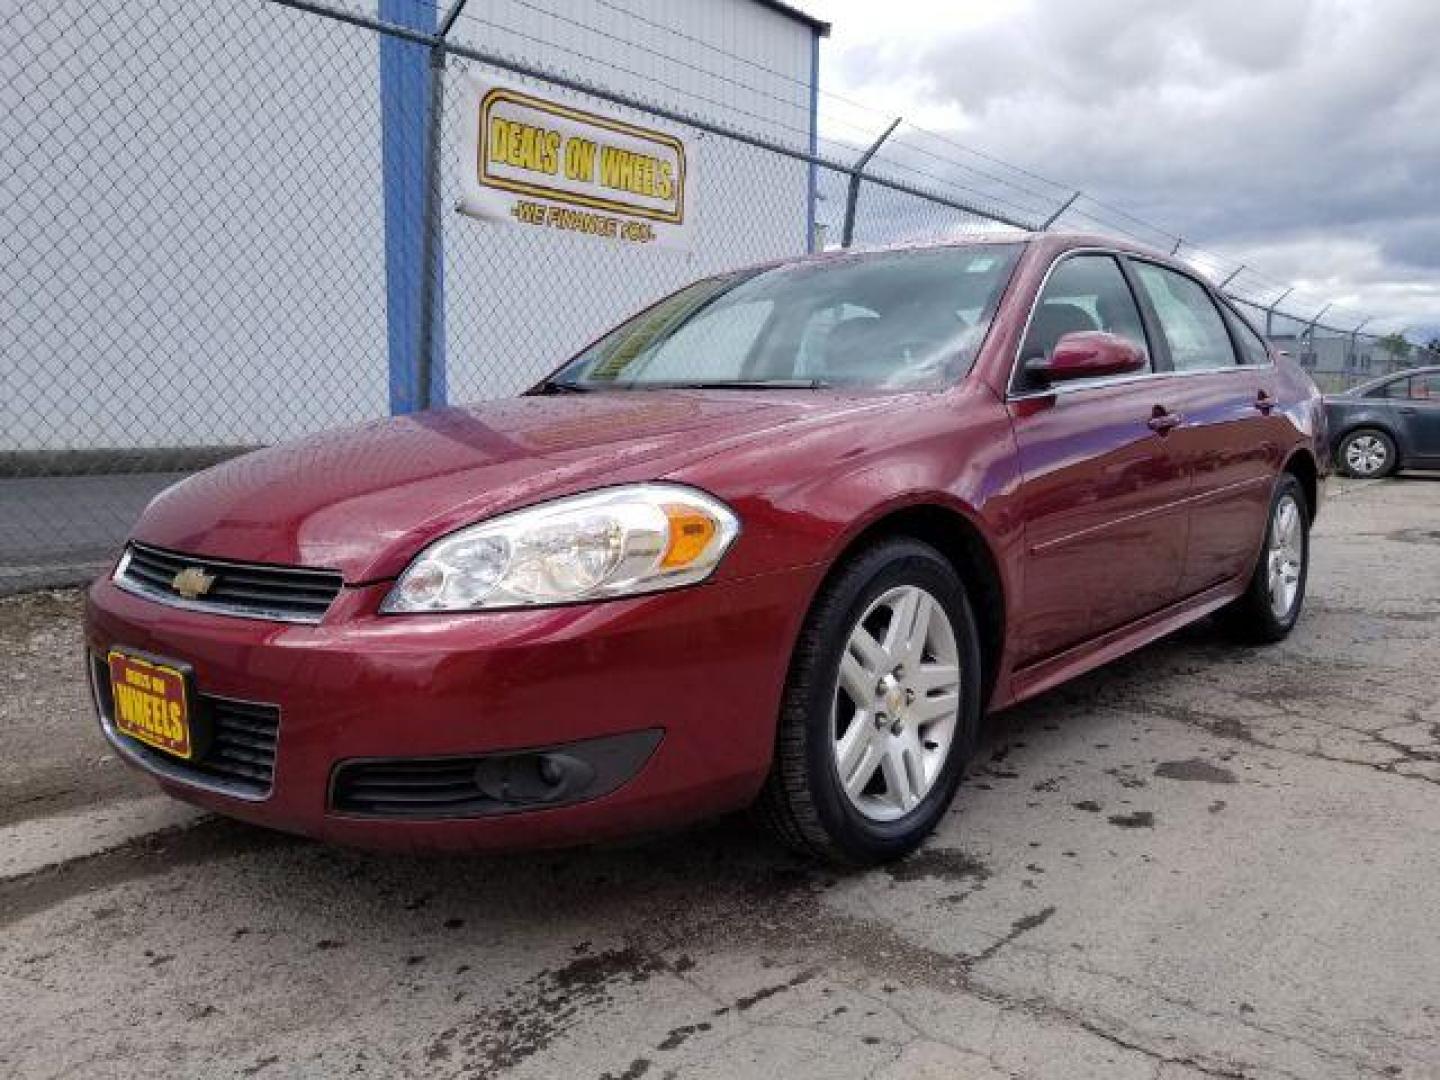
881, 709
1366, 454
1271, 605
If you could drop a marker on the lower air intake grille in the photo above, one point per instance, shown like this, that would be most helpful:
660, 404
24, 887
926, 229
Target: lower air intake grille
241, 756
500, 783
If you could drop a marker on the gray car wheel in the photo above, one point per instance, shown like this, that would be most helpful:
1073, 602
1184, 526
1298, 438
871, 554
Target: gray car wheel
1366, 454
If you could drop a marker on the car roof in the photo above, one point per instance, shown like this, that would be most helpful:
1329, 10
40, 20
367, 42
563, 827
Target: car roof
1381, 380
1052, 243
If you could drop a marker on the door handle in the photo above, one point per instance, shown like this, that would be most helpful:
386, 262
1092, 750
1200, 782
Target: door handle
1407, 409
1162, 421
1264, 402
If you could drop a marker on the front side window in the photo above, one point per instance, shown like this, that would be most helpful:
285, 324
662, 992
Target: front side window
1084, 292
893, 320
1193, 327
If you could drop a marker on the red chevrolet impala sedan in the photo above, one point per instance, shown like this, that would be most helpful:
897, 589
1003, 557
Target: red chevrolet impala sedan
778, 541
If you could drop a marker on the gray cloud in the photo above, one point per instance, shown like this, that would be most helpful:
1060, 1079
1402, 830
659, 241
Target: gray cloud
1252, 126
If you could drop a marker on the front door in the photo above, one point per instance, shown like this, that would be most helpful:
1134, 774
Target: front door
1103, 492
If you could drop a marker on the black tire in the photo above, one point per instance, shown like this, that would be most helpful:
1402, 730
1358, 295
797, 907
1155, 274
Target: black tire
803, 801
1253, 618
1385, 445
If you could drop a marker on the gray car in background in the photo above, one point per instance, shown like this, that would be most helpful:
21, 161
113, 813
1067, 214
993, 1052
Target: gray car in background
1387, 424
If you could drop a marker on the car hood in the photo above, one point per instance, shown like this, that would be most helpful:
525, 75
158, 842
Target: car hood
363, 500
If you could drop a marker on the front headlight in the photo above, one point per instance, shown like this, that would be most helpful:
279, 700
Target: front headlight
615, 542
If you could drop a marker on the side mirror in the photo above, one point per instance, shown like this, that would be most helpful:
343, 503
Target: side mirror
1086, 354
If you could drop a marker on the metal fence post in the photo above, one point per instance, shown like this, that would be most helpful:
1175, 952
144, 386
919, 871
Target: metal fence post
432, 225
852, 196
1355, 334
1060, 211
1270, 311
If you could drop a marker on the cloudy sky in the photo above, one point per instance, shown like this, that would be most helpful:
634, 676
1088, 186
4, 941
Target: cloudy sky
1301, 137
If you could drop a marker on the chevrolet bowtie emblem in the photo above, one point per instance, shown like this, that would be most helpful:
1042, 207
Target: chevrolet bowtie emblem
192, 582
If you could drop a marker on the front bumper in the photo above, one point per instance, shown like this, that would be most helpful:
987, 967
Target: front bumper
703, 666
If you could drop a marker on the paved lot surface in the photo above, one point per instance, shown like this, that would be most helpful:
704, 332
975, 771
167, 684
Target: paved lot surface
60, 529
1202, 861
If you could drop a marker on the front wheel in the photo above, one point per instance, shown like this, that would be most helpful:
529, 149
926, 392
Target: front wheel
1270, 607
881, 709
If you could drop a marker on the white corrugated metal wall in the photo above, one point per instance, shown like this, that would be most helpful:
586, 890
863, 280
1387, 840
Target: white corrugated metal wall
193, 231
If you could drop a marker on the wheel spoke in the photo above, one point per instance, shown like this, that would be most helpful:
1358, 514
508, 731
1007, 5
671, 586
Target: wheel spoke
857, 680
933, 708
873, 657
870, 758
909, 627
902, 619
854, 743
900, 779
928, 678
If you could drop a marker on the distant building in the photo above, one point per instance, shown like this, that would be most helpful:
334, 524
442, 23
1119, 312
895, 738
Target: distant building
1335, 360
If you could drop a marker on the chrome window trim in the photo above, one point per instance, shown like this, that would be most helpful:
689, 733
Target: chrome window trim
1124, 380
135, 588
179, 774
1011, 394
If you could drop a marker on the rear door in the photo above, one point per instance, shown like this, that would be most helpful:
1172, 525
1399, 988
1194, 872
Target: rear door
1420, 419
1103, 492
1230, 434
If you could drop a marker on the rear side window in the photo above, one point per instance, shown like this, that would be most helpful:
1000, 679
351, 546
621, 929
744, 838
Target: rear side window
1395, 388
1425, 388
1084, 292
1189, 319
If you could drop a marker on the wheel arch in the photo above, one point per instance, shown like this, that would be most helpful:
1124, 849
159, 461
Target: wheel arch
964, 545
1302, 465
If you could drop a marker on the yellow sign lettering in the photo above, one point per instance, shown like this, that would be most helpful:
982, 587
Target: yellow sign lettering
524, 146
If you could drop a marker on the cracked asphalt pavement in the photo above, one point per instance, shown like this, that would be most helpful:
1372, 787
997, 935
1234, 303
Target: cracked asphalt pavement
1200, 861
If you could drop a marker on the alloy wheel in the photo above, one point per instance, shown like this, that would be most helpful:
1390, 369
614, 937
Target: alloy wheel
1286, 555
896, 703
1366, 455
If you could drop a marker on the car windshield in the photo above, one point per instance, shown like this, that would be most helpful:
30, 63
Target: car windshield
892, 320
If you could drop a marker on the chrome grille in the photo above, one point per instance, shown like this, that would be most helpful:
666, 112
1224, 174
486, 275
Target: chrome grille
249, 590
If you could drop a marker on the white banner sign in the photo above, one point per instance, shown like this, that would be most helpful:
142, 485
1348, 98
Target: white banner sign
544, 164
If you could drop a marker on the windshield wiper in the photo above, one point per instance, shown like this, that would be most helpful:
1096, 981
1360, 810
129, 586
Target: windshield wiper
560, 386
736, 384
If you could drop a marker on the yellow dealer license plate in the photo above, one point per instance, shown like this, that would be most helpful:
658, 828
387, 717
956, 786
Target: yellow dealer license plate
151, 702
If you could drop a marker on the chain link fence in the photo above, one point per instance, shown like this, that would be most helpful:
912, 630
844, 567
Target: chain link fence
202, 206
